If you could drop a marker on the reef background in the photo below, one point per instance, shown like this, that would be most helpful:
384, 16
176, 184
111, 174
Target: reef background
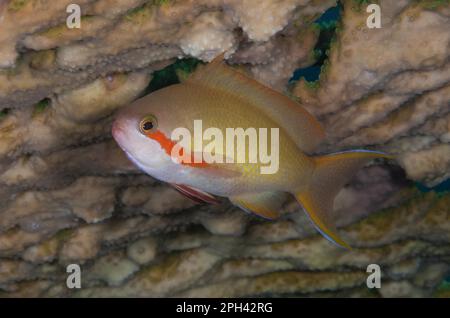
69, 195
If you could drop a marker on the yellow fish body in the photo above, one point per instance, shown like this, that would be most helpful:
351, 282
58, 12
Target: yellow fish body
220, 97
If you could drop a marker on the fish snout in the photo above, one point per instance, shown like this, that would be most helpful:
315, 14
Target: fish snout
117, 130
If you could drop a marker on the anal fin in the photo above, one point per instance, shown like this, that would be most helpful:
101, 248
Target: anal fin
265, 204
318, 209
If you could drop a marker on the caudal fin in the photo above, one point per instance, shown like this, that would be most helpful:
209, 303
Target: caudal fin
331, 173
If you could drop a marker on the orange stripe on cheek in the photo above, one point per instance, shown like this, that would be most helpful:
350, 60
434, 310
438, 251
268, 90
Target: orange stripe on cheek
167, 145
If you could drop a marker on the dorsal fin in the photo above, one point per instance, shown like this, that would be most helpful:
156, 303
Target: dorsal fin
299, 124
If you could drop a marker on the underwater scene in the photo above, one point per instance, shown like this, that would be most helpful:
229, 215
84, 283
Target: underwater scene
224, 148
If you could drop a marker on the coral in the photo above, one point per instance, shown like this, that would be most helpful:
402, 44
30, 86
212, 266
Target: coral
393, 88
69, 195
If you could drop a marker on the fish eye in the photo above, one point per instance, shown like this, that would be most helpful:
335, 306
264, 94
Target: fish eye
148, 124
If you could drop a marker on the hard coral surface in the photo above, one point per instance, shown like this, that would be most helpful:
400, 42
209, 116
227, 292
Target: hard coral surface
390, 87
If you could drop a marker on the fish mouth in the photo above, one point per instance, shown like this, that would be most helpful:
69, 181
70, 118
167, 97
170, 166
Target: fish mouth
116, 130
119, 135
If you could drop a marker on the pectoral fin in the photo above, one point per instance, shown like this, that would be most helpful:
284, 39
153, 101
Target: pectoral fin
213, 169
266, 204
196, 194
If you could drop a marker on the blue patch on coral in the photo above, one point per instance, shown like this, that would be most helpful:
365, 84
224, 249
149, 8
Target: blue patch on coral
310, 73
331, 15
441, 187
327, 24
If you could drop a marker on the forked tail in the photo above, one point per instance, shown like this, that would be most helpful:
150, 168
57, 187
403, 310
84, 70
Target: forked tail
331, 173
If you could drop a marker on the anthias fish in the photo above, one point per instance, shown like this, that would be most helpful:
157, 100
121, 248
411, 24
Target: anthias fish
221, 97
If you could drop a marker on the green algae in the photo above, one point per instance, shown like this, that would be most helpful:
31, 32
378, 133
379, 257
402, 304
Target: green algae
433, 4
16, 5
143, 13
43, 60
63, 235
428, 4
359, 4
4, 112
160, 2
313, 85
363, 2
443, 290
172, 74
61, 29
139, 14
55, 32
388, 218
41, 106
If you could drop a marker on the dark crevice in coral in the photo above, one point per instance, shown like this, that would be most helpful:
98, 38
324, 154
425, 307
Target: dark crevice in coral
444, 186
42, 105
4, 112
398, 176
171, 74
